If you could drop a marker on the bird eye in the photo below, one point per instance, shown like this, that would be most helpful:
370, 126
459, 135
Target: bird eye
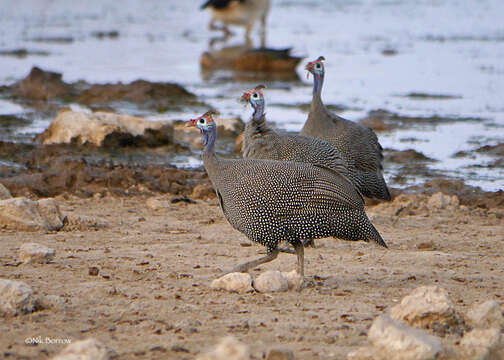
255, 95
201, 121
318, 66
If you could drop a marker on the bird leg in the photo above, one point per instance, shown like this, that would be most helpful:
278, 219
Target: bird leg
309, 243
248, 41
244, 267
287, 250
263, 31
299, 247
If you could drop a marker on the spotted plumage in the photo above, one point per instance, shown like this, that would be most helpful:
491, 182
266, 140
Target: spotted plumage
261, 141
273, 201
358, 144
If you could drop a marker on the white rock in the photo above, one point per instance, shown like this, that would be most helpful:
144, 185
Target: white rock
35, 253
4, 192
402, 341
228, 349
88, 349
51, 302
294, 280
271, 281
487, 314
394, 340
423, 306
16, 297
238, 282
93, 128
51, 214
156, 203
24, 214
482, 344
277, 353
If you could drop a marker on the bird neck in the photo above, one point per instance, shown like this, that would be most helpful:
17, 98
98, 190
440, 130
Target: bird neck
209, 137
258, 115
318, 81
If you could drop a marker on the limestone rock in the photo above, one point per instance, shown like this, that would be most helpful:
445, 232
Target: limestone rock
487, 314
55, 302
35, 253
158, 203
228, 349
50, 212
4, 192
423, 306
106, 129
88, 349
294, 280
16, 297
237, 282
393, 340
441, 201
482, 344
280, 354
24, 214
271, 281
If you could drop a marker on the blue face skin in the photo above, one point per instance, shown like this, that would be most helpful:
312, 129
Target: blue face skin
256, 99
202, 124
318, 69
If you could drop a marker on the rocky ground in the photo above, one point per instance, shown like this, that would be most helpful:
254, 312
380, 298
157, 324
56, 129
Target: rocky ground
101, 240
134, 273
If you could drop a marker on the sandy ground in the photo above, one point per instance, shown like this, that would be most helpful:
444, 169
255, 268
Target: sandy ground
151, 298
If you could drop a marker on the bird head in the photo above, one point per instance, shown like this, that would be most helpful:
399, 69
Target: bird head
316, 67
204, 122
254, 97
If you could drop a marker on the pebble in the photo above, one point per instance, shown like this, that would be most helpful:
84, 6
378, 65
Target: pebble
88, 349
423, 306
234, 282
271, 281
487, 314
229, 348
35, 253
16, 297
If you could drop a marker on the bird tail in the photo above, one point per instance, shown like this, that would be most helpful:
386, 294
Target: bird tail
375, 236
372, 185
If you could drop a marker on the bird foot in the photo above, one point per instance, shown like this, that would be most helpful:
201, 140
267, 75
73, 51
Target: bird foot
286, 250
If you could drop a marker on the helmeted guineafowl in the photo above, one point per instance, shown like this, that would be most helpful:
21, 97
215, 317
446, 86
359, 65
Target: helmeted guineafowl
357, 144
260, 141
273, 201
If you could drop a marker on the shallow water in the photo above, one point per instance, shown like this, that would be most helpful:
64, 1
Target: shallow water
448, 47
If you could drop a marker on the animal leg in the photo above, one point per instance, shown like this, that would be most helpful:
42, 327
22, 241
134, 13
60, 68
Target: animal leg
310, 243
224, 28
244, 267
287, 250
299, 247
263, 31
248, 29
